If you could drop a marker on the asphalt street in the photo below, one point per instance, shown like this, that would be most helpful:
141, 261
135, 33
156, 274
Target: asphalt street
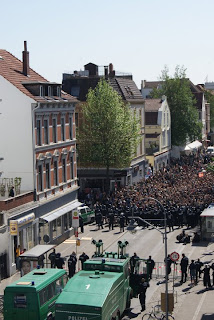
191, 302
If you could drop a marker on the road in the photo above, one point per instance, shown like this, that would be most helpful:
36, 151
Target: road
193, 303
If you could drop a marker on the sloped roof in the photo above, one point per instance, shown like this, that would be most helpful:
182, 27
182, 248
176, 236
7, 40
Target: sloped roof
11, 69
152, 104
152, 84
126, 88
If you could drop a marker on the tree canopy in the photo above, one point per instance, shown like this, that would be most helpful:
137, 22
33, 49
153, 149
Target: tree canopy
185, 124
110, 133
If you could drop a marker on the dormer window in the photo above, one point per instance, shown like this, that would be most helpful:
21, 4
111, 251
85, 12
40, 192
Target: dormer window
58, 91
50, 91
41, 91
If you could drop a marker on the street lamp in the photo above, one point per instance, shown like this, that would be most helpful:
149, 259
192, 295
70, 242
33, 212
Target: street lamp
133, 229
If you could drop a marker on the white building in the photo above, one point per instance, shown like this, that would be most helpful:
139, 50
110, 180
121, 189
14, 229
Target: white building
38, 157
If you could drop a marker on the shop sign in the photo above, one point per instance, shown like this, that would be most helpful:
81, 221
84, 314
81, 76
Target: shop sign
26, 219
13, 227
75, 219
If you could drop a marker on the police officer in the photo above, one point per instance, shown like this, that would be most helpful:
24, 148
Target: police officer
150, 266
198, 265
122, 222
142, 293
52, 258
168, 263
83, 257
72, 264
133, 262
81, 223
184, 264
111, 220
59, 261
99, 220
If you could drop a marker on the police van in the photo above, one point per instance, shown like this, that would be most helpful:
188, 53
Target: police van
86, 213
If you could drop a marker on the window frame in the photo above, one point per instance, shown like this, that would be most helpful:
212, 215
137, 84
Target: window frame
39, 132
56, 172
54, 129
63, 135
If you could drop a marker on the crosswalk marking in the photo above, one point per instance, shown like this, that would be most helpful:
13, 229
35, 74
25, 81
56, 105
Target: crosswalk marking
74, 240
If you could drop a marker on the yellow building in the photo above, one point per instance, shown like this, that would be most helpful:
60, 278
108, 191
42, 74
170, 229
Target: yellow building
157, 132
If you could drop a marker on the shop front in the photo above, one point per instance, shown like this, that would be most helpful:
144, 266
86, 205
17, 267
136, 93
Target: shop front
56, 226
22, 237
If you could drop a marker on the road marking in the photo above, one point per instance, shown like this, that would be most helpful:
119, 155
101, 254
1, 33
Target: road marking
199, 306
74, 240
85, 238
69, 241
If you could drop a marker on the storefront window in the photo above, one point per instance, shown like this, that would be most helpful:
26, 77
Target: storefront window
30, 237
57, 227
70, 219
43, 229
65, 222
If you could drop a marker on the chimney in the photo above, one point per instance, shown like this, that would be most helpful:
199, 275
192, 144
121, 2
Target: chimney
25, 59
106, 72
111, 70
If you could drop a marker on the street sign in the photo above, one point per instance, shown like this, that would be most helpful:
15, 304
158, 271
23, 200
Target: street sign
75, 219
174, 256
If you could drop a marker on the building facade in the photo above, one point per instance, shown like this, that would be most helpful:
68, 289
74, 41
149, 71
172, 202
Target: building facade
157, 132
38, 153
78, 84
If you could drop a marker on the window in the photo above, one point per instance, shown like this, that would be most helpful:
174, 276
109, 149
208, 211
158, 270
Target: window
47, 175
57, 227
46, 131
38, 132
40, 178
43, 229
64, 175
58, 92
50, 91
41, 91
20, 301
55, 173
54, 128
71, 128
62, 129
76, 120
72, 168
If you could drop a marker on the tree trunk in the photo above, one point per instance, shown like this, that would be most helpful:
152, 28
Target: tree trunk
107, 187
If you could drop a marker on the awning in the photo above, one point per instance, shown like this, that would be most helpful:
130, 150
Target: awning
60, 211
37, 251
195, 145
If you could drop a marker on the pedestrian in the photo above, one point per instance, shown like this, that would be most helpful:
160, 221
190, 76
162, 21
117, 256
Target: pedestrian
198, 265
134, 262
72, 264
168, 263
150, 266
122, 222
52, 258
18, 252
192, 269
81, 224
184, 264
142, 293
83, 257
206, 278
59, 261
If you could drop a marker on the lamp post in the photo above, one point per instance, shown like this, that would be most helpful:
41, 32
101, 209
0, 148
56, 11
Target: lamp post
132, 228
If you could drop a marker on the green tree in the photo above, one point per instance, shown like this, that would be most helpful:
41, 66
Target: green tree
110, 132
185, 124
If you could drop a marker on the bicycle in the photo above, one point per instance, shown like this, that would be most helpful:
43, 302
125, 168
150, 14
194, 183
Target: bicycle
156, 314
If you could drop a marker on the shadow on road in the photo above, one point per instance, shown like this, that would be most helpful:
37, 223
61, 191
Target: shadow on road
131, 315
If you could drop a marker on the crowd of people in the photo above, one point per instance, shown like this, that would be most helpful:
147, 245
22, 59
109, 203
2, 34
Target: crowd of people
184, 188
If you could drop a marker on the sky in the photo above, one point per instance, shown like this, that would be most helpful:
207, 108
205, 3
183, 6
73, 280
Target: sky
138, 36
